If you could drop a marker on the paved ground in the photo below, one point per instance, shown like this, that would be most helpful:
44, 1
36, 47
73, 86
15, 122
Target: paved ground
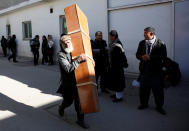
28, 102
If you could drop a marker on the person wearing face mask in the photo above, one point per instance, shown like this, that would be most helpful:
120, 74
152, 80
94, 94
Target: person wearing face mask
151, 52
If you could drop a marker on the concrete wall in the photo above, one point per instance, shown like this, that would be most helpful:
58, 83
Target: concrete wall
44, 23
115, 3
130, 24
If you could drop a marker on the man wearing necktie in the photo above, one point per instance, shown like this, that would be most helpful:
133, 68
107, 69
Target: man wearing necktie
151, 52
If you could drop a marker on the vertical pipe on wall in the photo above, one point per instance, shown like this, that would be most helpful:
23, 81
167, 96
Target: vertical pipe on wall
173, 31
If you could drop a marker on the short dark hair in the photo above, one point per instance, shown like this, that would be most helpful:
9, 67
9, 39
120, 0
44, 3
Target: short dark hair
98, 32
114, 33
36, 36
150, 29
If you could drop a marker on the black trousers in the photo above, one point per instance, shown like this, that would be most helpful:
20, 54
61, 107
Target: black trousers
102, 76
13, 55
4, 51
44, 58
151, 82
50, 57
36, 57
68, 100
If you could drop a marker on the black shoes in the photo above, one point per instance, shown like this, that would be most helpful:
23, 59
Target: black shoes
82, 124
158, 109
117, 100
113, 96
61, 111
105, 91
161, 110
142, 107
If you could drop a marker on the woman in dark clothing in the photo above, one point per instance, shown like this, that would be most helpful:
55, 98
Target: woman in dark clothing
118, 62
4, 45
13, 48
44, 50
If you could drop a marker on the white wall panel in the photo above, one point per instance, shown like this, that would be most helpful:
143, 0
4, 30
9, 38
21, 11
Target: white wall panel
130, 24
115, 3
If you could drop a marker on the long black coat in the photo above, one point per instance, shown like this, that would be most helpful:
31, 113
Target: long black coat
117, 68
67, 68
101, 56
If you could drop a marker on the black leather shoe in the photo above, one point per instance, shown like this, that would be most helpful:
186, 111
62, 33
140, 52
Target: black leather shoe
61, 111
105, 91
113, 96
82, 124
142, 107
161, 111
117, 100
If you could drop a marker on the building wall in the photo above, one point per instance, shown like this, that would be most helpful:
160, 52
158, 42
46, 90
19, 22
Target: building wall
130, 24
44, 23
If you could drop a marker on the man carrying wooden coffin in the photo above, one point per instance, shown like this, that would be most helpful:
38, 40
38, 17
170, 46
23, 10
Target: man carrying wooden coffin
68, 87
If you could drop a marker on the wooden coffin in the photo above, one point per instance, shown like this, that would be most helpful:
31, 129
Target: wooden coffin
77, 26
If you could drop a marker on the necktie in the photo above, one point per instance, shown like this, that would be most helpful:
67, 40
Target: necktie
149, 46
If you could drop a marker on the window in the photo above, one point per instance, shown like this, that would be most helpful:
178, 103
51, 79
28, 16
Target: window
27, 30
63, 26
8, 30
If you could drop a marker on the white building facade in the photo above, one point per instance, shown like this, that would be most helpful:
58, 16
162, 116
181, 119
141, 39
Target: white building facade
128, 17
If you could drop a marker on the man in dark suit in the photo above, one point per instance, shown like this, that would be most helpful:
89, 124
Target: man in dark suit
151, 53
35, 44
13, 49
68, 87
100, 54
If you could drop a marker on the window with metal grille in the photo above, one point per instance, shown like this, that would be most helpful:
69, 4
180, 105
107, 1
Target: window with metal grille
27, 30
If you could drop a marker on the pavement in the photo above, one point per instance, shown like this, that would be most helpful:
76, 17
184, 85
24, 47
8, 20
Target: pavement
29, 102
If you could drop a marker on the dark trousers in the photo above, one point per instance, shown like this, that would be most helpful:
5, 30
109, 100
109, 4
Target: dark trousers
4, 51
68, 100
36, 57
154, 83
44, 58
102, 75
13, 55
51, 59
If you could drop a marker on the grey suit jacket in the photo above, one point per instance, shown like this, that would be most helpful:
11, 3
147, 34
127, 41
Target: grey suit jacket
67, 68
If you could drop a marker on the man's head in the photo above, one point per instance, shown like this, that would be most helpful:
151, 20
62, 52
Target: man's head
49, 37
66, 43
149, 33
113, 35
98, 35
37, 37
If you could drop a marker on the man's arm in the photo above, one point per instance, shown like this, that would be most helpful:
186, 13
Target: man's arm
66, 65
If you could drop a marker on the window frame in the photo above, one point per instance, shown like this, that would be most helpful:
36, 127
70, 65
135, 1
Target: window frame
27, 30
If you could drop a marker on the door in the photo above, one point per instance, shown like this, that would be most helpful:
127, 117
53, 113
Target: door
182, 37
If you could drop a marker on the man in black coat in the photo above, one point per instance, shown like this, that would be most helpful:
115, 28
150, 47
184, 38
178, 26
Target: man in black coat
13, 49
35, 44
100, 54
68, 87
151, 53
4, 45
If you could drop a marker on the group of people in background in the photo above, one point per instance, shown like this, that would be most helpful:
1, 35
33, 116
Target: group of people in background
156, 69
9, 48
10, 45
47, 49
